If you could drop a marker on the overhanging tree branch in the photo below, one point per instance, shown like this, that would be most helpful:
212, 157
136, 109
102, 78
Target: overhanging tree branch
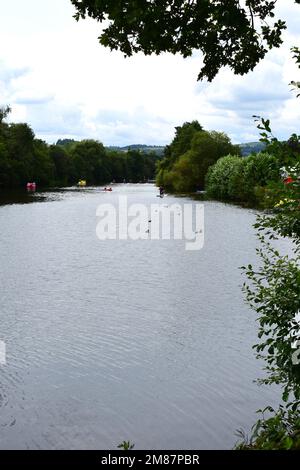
228, 33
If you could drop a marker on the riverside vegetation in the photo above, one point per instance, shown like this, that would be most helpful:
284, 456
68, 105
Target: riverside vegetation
24, 158
197, 159
273, 291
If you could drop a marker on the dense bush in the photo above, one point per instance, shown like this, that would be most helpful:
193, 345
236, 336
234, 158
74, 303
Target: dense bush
222, 178
281, 431
241, 179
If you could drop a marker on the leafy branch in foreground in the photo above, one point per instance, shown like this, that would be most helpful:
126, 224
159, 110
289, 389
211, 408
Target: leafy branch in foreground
232, 33
274, 293
280, 431
126, 445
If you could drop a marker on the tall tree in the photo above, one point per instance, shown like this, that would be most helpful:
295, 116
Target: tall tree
180, 144
62, 164
91, 162
230, 32
189, 156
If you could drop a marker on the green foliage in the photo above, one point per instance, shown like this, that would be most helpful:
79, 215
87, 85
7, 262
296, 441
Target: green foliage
205, 150
224, 145
235, 34
273, 291
242, 179
126, 445
66, 142
63, 164
278, 432
183, 138
285, 197
223, 177
260, 169
24, 158
43, 168
91, 162
180, 144
5, 165
189, 156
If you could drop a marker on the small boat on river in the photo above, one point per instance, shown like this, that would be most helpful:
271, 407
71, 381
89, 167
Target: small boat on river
31, 187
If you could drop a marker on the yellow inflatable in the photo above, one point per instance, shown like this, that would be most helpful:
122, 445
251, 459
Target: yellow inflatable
81, 183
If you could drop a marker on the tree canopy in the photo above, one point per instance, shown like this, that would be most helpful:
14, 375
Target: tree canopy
190, 154
229, 33
25, 158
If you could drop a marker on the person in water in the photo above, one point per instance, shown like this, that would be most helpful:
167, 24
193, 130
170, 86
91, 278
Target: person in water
161, 191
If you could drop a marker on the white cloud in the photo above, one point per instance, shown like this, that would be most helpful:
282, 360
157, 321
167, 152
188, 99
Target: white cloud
56, 76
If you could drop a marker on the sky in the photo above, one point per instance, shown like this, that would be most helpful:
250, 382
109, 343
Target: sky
58, 78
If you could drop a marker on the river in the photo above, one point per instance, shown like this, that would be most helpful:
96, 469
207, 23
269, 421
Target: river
119, 339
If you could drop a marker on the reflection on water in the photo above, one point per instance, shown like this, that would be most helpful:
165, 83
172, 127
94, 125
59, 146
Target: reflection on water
18, 197
117, 340
21, 196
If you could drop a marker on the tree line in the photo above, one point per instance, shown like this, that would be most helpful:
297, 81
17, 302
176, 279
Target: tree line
25, 158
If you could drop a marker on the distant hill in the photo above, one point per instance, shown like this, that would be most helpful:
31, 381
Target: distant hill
246, 149
251, 147
158, 149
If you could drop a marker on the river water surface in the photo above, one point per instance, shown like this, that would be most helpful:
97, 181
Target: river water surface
113, 340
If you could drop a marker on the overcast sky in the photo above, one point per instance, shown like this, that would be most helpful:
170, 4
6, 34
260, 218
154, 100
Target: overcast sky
57, 77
